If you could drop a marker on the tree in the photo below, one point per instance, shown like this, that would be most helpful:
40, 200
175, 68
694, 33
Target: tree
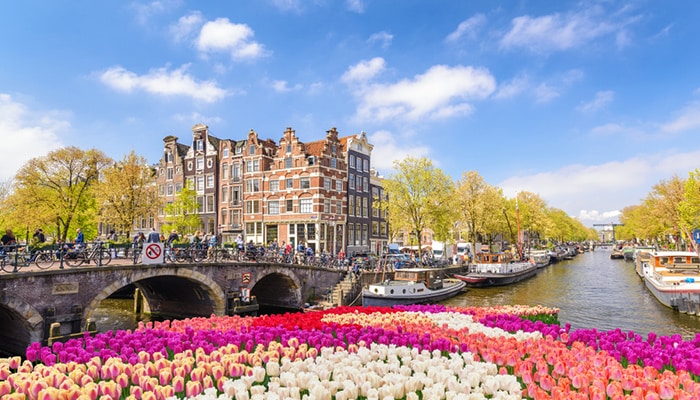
57, 190
663, 202
182, 214
689, 208
419, 197
127, 192
480, 207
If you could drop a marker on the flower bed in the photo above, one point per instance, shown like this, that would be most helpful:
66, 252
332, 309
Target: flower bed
405, 352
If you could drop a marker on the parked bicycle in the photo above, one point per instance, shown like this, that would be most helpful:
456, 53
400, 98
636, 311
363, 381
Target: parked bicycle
13, 258
97, 253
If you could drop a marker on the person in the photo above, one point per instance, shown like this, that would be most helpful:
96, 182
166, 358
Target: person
153, 236
8, 240
173, 237
139, 240
239, 244
39, 236
212, 245
112, 237
79, 238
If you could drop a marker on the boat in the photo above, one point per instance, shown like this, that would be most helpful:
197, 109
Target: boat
673, 277
541, 258
496, 269
642, 255
412, 286
628, 253
616, 254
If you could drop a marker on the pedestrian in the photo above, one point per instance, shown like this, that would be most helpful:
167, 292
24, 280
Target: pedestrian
153, 236
113, 238
39, 236
173, 237
79, 238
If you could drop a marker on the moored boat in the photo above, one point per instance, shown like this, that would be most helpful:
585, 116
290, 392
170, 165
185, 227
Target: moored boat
673, 277
496, 269
541, 258
642, 255
412, 286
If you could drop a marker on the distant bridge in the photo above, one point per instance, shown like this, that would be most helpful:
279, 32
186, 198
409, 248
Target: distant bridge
30, 302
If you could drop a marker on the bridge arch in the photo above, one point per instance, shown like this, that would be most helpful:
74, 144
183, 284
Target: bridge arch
277, 286
178, 292
21, 324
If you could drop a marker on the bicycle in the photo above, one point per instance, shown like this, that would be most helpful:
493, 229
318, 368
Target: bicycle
97, 254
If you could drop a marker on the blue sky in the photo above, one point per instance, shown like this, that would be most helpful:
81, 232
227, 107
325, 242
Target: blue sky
588, 103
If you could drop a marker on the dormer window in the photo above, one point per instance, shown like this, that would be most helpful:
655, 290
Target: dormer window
252, 150
225, 152
312, 160
289, 148
199, 144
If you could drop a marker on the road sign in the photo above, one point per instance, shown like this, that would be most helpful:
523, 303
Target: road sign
152, 253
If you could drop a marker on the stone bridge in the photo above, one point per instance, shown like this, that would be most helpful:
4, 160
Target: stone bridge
31, 302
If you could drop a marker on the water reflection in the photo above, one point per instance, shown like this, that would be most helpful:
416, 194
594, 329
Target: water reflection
591, 291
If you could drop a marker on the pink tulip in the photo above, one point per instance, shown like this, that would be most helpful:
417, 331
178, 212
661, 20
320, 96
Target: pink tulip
5, 387
136, 391
193, 388
178, 384
35, 387
165, 376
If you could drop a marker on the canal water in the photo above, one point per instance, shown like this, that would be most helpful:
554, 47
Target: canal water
591, 291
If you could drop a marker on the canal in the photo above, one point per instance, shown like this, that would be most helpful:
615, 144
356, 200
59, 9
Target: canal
591, 291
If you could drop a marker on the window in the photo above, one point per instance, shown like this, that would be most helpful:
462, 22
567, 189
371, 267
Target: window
365, 184
225, 152
189, 165
358, 206
252, 206
170, 189
290, 207
236, 172
224, 171
200, 204
351, 234
351, 206
274, 185
252, 185
326, 206
200, 163
236, 195
161, 190
333, 148
351, 182
289, 184
338, 185
375, 228
273, 207
304, 183
210, 203
288, 162
199, 144
352, 161
210, 181
168, 156
210, 162
224, 194
334, 163
251, 150
170, 173
178, 187
289, 148
200, 183
359, 164
365, 166
365, 208
312, 160
239, 149
306, 205
327, 183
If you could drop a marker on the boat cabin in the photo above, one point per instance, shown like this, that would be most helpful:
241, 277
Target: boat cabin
425, 275
493, 258
675, 260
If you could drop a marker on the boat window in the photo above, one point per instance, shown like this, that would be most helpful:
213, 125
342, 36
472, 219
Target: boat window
663, 260
695, 260
679, 260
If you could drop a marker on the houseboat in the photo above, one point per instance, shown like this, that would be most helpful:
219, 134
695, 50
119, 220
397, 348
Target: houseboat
412, 286
673, 277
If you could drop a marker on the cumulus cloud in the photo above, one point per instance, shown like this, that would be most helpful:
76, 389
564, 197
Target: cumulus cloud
221, 35
601, 99
598, 191
163, 82
383, 38
442, 91
560, 32
27, 134
468, 28
364, 70
186, 26
390, 147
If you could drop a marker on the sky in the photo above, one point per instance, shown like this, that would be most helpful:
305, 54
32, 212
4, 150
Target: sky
589, 104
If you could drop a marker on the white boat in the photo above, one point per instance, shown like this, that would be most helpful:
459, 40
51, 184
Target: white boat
641, 256
412, 286
541, 258
673, 277
496, 269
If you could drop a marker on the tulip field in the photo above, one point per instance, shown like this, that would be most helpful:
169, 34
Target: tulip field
402, 352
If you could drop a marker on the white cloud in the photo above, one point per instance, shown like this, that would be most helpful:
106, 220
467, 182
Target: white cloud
687, 119
601, 99
221, 35
439, 92
163, 82
512, 88
383, 38
356, 6
283, 86
558, 32
186, 26
600, 191
467, 28
364, 70
288, 5
144, 11
27, 134
197, 118
545, 92
389, 147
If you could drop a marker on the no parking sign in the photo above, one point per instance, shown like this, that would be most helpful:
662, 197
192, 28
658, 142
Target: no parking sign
152, 253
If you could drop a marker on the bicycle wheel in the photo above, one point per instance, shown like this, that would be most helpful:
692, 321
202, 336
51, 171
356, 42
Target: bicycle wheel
44, 260
74, 259
199, 255
102, 257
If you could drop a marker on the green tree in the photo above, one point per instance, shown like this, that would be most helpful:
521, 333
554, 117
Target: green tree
182, 214
480, 207
126, 192
689, 208
419, 197
57, 190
